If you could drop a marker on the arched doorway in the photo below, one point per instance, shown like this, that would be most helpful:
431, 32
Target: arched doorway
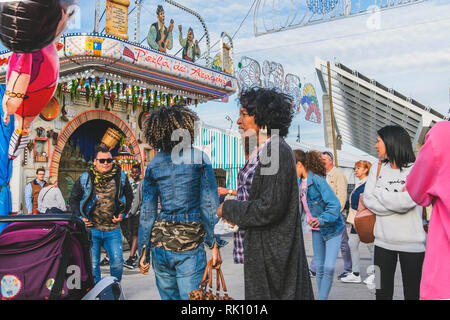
74, 148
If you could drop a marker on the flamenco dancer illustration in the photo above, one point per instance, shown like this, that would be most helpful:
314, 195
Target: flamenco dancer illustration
29, 29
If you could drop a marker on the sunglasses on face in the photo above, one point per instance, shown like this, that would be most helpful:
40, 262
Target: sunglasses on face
102, 161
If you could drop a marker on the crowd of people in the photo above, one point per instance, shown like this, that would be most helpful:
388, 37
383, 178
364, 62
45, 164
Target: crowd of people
282, 194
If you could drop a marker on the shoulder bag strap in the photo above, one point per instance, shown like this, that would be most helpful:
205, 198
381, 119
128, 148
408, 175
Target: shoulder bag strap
379, 168
220, 274
205, 274
46, 193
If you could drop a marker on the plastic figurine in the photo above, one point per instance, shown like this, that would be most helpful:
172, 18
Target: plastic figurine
159, 36
191, 50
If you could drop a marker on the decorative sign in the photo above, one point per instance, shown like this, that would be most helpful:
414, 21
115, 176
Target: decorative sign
272, 76
310, 104
224, 60
94, 45
108, 47
270, 17
117, 18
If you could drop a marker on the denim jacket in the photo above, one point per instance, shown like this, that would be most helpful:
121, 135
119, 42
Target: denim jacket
187, 192
123, 196
324, 205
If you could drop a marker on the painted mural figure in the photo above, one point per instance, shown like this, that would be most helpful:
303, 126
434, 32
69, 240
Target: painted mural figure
159, 36
191, 50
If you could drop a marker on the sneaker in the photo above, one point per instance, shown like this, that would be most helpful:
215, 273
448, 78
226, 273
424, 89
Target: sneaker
312, 274
131, 263
104, 262
351, 278
370, 280
343, 275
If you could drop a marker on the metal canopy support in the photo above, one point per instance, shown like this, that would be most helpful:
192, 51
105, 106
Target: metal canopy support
361, 106
330, 97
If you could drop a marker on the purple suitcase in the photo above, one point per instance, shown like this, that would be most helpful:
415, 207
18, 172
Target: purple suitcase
42, 260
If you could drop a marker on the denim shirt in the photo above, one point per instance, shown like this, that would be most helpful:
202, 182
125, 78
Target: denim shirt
187, 192
324, 205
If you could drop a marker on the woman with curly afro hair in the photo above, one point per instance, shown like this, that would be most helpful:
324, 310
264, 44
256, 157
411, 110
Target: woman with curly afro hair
182, 180
321, 210
267, 206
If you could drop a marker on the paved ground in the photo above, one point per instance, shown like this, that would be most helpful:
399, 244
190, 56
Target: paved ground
139, 287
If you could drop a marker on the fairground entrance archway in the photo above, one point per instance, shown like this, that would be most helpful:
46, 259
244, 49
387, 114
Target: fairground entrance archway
74, 149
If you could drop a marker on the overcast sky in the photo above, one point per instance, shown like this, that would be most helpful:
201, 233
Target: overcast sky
409, 50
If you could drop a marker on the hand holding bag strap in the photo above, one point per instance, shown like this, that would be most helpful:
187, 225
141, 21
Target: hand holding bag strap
210, 271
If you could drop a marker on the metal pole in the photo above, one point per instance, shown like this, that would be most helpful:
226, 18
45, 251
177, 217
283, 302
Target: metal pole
137, 6
332, 114
97, 20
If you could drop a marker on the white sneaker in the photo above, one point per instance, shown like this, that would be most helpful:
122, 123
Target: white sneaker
370, 280
351, 278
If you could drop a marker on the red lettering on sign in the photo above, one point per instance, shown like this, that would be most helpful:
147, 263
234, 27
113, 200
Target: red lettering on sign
180, 67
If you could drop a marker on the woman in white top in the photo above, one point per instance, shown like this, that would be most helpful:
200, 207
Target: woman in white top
398, 231
50, 198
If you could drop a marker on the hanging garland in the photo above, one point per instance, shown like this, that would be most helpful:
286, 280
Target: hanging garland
103, 91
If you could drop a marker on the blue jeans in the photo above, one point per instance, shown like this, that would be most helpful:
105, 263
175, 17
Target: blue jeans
345, 251
112, 242
325, 256
178, 273
346, 254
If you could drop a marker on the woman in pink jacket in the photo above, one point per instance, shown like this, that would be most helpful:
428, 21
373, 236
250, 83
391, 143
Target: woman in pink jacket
429, 183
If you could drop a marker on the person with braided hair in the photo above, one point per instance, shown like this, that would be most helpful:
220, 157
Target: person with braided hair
182, 180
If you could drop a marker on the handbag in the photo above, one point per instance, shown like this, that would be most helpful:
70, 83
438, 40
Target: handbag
351, 216
203, 293
365, 219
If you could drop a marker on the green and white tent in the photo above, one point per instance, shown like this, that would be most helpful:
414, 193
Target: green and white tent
224, 149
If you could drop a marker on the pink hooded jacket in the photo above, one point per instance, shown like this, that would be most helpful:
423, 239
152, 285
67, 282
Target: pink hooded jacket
429, 182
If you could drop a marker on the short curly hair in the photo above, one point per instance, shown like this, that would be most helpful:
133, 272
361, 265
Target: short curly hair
161, 123
270, 107
311, 160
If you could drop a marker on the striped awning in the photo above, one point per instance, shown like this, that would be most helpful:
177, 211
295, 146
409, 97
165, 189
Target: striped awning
224, 149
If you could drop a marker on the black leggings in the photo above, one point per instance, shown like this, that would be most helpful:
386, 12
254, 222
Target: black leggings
411, 267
